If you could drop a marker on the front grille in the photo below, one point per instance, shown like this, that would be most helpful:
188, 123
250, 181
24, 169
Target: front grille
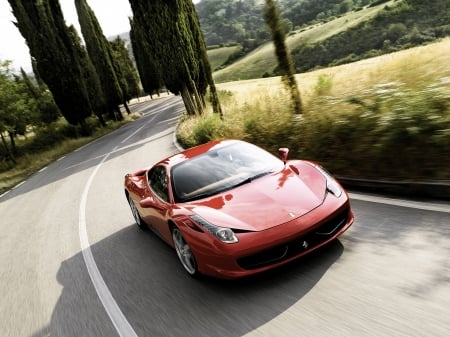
294, 247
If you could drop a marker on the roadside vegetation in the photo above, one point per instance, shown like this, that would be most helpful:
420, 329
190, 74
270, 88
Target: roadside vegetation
46, 145
384, 117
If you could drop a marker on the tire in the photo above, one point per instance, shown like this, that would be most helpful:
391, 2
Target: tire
184, 253
137, 217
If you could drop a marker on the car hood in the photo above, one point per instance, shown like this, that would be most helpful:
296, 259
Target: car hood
265, 202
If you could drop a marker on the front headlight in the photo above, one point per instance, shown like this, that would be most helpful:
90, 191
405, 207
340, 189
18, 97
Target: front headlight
332, 184
222, 233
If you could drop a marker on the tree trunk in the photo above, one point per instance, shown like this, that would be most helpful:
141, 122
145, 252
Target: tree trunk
101, 119
198, 102
187, 99
215, 100
9, 155
13, 142
126, 107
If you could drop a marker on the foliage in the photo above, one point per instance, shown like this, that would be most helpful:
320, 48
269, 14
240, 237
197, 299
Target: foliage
324, 85
128, 77
226, 21
46, 146
60, 59
14, 109
172, 36
101, 55
401, 25
146, 63
392, 131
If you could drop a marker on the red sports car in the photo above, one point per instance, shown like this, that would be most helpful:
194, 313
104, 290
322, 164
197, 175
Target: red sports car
230, 209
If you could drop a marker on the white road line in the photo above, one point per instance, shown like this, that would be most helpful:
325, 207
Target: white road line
402, 203
19, 184
123, 327
121, 324
140, 128
2, 195
137, 130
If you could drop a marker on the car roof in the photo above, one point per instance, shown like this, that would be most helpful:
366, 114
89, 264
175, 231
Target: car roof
195, 151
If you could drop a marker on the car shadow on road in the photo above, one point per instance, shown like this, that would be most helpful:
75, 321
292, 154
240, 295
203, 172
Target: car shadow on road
158, 298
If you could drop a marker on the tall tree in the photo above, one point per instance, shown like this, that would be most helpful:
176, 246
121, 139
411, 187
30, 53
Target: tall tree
56, 53
102, 58
272, 18
147, 65
205, 72
170, 32
128, 77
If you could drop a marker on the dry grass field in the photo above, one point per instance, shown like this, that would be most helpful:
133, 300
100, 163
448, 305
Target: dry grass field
415, 67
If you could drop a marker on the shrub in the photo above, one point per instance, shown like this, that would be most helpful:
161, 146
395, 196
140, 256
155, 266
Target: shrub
324, 85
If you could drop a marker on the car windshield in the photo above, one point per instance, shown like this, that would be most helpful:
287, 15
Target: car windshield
221, 169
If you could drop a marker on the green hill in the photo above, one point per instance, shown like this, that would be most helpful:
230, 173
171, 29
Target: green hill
370, 31
262, 60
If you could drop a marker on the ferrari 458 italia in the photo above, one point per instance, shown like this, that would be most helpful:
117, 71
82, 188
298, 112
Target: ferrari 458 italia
231, 209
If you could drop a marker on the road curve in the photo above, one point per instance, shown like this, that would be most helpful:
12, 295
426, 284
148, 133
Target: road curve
73, 263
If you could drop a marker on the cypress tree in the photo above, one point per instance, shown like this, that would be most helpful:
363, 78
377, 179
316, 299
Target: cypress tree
56, 54
129, 80
149, 71
101, 55
174, 38
205, 72
272, 19
92, 80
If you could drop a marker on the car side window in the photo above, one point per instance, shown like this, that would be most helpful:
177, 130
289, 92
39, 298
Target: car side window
158, 182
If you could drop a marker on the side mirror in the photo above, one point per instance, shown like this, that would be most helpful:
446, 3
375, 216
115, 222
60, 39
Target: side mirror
283, 152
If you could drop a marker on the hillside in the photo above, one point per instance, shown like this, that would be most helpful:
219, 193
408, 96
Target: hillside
262, 60
370, 31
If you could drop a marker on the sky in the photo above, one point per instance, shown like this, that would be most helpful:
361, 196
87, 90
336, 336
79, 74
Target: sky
112, 16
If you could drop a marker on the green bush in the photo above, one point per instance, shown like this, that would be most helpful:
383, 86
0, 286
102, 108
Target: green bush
324, 85
208, 129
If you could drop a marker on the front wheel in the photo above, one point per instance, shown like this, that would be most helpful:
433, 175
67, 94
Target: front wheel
184, 252
136, 215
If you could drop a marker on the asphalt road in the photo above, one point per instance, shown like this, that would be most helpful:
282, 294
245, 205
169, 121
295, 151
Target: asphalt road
73, 263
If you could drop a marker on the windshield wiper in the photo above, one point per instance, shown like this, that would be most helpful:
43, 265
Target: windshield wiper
251, 178
199, 196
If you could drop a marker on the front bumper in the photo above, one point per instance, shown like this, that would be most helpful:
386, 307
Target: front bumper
257, 252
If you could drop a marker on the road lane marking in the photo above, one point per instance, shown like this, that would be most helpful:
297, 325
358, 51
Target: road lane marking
123, 327
137, 130
121, 324
426, 206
